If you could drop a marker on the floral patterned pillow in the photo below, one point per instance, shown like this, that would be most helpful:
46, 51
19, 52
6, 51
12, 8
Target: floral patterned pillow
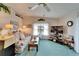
19, 46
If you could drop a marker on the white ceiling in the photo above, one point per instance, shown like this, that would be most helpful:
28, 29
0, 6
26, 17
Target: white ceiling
57, 9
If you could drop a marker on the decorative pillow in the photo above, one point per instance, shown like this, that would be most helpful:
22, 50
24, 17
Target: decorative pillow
19, 46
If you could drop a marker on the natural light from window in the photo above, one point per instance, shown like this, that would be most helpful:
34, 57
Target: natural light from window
40, 29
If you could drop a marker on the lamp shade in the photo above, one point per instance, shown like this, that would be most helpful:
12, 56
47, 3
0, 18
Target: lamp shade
8, 26
25, 29
24, 26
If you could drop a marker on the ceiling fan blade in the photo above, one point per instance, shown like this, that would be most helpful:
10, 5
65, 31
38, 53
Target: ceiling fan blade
47, 8
33, 7
18, 15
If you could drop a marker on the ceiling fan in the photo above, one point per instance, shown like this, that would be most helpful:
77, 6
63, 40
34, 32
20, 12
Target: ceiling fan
40, 4
18, 15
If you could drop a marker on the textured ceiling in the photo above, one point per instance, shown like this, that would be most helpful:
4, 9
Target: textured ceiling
57, 9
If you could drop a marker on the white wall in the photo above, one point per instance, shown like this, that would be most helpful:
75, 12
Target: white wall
63, 21
74, 30
76, 35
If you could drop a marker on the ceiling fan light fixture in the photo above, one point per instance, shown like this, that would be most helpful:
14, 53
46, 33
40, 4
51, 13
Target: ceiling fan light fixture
41, 19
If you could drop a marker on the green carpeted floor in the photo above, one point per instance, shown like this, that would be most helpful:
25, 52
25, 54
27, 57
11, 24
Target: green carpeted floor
49, 48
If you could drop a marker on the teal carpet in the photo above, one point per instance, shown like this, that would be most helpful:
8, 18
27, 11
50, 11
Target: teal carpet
49, 48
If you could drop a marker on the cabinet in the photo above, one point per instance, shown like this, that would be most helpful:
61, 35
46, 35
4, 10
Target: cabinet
7, 45
9, 51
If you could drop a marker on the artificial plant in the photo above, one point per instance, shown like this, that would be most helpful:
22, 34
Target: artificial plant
5, 8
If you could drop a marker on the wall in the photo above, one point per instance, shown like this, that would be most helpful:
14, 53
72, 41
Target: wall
63, 21
5, 18
76, 35
30, 20
53, 22
74, 30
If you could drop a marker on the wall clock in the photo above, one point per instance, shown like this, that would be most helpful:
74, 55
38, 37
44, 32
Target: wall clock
70, 23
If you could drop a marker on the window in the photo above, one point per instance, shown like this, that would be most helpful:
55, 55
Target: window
40, 29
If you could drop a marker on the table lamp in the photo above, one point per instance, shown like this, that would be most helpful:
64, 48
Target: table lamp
8, 26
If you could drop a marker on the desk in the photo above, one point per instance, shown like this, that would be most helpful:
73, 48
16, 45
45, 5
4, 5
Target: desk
33, 43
